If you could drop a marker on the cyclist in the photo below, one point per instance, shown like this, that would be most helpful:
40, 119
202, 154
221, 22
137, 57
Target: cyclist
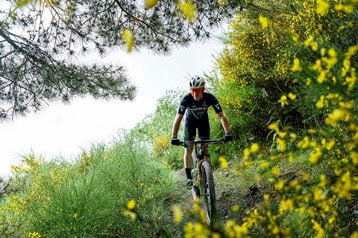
195, 106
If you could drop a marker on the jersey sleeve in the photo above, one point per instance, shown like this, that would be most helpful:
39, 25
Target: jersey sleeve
215, 103
181, 109
183, 105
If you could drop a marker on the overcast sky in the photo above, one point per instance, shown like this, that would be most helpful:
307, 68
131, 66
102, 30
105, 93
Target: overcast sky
66, 130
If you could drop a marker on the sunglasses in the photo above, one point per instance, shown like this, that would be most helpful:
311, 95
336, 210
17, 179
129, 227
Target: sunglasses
197, 90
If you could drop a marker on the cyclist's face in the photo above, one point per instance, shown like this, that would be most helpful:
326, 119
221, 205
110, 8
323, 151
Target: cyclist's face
197, 93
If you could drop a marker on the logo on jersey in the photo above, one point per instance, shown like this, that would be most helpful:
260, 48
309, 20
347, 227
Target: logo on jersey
198, 112
181, 109
218, 107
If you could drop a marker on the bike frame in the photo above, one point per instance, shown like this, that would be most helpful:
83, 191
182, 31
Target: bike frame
203, 186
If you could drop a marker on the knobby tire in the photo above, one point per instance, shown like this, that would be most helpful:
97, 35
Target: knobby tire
209, 199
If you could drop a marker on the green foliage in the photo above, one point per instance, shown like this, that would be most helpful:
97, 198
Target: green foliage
307, 51
88, 197
251, 70
156, 130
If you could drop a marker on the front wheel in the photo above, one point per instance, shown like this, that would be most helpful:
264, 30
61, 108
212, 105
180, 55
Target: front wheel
209, 199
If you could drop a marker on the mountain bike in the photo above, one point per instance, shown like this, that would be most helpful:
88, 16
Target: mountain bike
203, 189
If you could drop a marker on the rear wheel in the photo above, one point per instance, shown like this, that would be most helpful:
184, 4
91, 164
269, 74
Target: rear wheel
208, 196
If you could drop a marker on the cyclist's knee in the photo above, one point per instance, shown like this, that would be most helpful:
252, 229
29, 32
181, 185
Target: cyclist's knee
189, 149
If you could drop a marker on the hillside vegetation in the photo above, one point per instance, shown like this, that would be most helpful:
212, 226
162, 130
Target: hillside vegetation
287, 81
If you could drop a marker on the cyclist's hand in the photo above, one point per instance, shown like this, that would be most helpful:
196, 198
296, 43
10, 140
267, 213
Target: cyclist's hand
175, 141
228, 137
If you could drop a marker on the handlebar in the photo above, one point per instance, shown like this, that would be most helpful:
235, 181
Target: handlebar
216, 141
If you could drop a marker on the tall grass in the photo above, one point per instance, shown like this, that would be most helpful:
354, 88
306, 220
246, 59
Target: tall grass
87, 197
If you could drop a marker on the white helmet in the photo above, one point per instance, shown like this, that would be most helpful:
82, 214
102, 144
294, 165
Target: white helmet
197, 82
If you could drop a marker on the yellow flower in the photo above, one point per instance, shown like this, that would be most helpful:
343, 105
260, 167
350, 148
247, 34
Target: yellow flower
296, 65
352, 50
128, 39
282, 144
291, 158
354, 156
187, 9
129, 211
314, 46
275, 230
335, 116
295, 37
293, 137
317, 66
235, 208
309, 81
178, 214
295, 184
350, 81
322, 76
312, 131
274, 126
320, 103
264, 165
328, 145
320, 231
344, 186
355, 234
276, 171
34, 235
131, 214
333, 58
308, 42
249, 163
264, 22
279, 185
234, 230
282, 134
323, 181
315, 155
150, 3
338, 7
246, 153
131, 204
199, 229
223, 162
322, 7
303, 144
318, 194
283, 100
347, 105
266, 197
292, 96
305, 176
254, 148
286, 205
346, 8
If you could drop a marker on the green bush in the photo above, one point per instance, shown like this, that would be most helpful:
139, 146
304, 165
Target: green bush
88, 197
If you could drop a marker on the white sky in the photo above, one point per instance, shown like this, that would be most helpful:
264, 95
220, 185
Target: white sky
66, 130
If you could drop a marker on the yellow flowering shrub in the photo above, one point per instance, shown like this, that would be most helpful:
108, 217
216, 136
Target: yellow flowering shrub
314, 54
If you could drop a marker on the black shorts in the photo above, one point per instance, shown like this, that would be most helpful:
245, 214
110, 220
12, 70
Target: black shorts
191, 126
